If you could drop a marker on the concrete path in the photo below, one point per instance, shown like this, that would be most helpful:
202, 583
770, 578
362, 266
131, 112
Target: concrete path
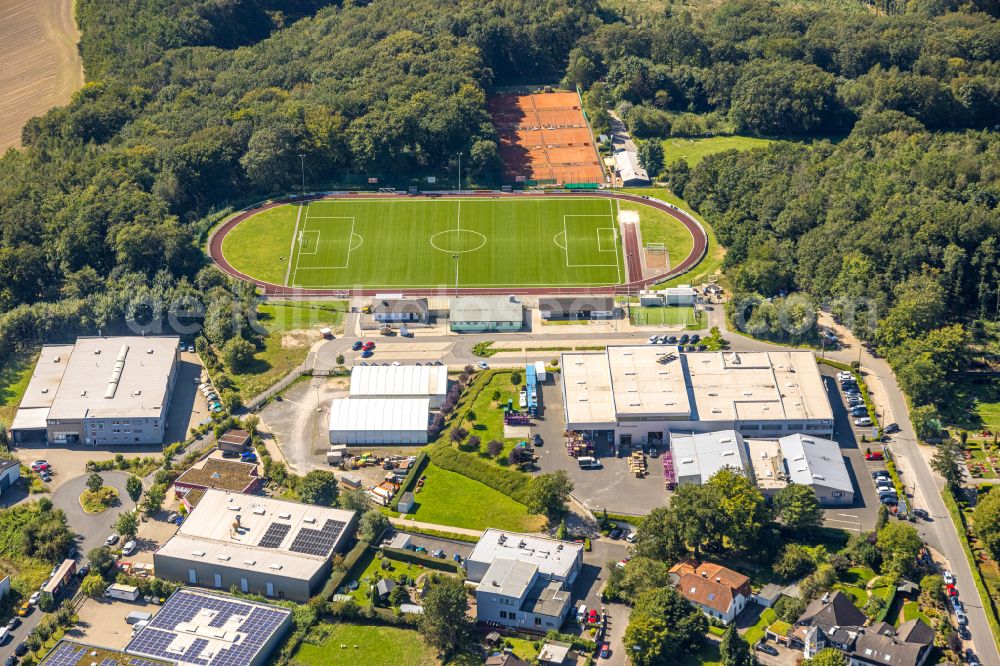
409, 523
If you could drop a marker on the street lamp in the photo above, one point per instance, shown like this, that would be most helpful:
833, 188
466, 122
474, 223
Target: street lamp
455, 257
460, 172
302, 163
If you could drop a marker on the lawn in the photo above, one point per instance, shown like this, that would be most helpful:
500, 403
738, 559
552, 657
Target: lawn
363, 645
707, 655
694, 150
975, 407
756, 632
296, 315
489, 417
668, 316
448, 498
656, 226
270, 364
14, 378
368, 571
478, 242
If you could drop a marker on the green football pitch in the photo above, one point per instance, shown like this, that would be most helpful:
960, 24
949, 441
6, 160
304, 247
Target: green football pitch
428, 243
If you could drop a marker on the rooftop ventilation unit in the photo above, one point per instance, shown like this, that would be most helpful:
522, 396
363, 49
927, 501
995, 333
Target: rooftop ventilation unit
284, 516
276, 567
198, 553
249, 563
116, 373
309, 520
223, 558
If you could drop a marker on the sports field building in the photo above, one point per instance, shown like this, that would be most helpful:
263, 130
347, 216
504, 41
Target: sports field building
258, 545
645, 393
578, 307
400, 381
99, 392
486, 314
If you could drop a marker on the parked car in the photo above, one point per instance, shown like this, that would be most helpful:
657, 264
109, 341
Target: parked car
83, 571
951, 590
880, 474
891, 428
483, 365
695, 338
24, 608
684, 339
653, 339
956, 604
605, 650
970, 657
767, 649
961, 618
949, 577
13, 623
21, 649
45, 476
592, 616
873, 455
964, 633
357, 345
615, 534
631, 537
40, 465
889, 500
922, 514
130, 547
368, 346
111, 540
859, 411
863, 421
11, 660
368, 353
190, 349
581, 613
672, 340
536, 439
439, 554
35, 596
248, 456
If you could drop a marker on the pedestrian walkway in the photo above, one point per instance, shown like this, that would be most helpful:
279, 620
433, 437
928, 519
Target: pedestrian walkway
409, 522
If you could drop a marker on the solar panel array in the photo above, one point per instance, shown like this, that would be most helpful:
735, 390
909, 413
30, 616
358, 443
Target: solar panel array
257, 624
318, 542
274, 535
73, 654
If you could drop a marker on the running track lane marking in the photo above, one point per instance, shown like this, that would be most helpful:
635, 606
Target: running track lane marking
291, 250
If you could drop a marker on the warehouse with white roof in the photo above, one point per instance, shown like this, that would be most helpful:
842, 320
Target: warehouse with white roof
99, 392
373, 421
642, 393
818, 463
698, 457
401, 381
258, 545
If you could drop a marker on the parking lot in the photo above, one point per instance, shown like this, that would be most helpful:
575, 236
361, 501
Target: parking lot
863, 514
431, 544
102, 622
613, 487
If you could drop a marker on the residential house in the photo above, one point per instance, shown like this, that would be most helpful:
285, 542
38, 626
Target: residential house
830, 621
719, 592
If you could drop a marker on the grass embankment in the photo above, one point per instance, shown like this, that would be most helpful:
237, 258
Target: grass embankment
14, 378
297, 315
448, 498
363, 645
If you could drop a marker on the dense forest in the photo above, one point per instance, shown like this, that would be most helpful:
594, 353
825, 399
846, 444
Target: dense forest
191, 105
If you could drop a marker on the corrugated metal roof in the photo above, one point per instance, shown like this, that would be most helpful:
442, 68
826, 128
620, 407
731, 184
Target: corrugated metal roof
401, 380
379, 414
815, 461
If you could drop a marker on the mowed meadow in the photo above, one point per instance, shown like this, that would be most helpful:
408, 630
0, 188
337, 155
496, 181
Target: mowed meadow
41, 64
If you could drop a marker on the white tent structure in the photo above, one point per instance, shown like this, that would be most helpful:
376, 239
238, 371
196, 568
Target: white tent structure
400, 381
379, 421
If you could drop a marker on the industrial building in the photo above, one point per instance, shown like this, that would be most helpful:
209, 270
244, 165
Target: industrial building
698, 457
523, 580
644, 393
196, 628
486, 314
71, 653
372, 421
99, 392
10, 472
400, 381
818, 462
258, 545
230, 475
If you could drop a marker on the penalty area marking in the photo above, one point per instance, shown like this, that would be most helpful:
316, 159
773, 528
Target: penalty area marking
597, 230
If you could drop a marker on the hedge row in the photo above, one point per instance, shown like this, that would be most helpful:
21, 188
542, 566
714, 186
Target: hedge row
427, 561
411, 478
510, 482
339, 574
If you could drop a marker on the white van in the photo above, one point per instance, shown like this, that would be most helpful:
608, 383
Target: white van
586, 462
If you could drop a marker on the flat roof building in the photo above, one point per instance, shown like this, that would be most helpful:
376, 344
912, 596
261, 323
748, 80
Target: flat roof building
370, 421
644, 392
99, 392
258, 545
71, 653
196, 628
230, 475
523, 580
10, 472
486, 314
629, 170
698, 457
577, 307
400, 310
400, 381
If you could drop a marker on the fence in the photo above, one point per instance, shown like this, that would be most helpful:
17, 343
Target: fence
261, 399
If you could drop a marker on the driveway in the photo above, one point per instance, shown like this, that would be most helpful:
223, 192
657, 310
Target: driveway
92, 528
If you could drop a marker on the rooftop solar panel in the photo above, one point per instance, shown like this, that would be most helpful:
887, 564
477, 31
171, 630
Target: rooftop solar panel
274, 535
318, 542
254, 624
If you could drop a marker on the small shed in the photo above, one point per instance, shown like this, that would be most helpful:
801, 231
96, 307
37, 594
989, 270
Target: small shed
406, 502
350, 481
768, 595
383, 588
555, 654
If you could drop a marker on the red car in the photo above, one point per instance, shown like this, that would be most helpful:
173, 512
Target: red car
605, 650
873, 455
951, 590
592, 616
369, 346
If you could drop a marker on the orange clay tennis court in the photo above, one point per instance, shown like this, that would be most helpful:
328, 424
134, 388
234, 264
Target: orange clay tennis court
544, 137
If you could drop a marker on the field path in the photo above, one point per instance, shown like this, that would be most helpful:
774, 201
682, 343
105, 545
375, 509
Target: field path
634, 284
41, 64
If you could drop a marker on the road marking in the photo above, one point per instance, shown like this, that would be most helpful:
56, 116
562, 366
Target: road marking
291, 250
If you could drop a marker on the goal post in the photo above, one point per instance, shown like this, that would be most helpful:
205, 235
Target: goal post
656, 248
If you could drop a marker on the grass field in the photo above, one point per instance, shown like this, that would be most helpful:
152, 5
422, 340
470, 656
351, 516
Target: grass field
696, 149
365, 645
295, 315
670, 316
404, 242
14, 378
448, 498
657, 226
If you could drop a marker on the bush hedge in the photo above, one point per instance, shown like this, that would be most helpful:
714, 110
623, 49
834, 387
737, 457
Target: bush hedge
423, 560
411, 478
340, 573
510, 482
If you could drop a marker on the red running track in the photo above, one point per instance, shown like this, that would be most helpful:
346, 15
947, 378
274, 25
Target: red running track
635, 280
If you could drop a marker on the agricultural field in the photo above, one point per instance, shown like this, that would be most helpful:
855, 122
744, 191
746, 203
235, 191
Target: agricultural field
448, 498
42, 67
386, 243
363, 645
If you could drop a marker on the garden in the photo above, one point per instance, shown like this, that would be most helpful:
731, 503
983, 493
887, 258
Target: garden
363, 645
373, 567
